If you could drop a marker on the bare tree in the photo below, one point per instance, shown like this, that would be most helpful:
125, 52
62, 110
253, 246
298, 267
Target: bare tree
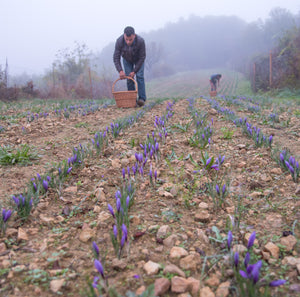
154, 55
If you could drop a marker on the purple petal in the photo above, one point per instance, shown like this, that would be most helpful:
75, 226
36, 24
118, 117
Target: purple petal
277, 283
99, 267
96, 248
251, 240
243, 274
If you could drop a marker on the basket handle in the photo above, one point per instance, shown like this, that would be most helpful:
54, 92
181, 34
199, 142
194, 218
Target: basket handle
126, 77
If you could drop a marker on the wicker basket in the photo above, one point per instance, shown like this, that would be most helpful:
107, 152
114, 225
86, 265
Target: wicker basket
125, 98
213, 94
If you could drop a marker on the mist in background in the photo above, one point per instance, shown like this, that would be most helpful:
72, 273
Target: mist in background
35, 32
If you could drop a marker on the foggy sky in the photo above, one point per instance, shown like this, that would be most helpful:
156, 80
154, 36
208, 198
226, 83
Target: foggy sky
33, 31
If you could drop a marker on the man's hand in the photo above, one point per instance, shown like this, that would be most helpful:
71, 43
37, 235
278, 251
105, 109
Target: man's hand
132, 74
122, 74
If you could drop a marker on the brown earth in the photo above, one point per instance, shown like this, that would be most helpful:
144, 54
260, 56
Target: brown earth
48, 252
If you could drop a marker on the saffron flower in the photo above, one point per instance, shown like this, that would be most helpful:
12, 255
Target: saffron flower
127, 201
111, 210
115, 230
229, 239
224, 189
118, 204
99, 267
277, 283
124, 230
45, 185
247, 260
251, 240
6, 215
236, 259
96, 249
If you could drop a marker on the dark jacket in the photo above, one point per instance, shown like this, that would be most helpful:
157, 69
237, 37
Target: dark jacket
215, 77
135, 54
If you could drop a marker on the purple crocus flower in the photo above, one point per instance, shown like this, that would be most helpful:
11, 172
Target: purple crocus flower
115, 230
151, 153
38, 176
277, 283
251, 240
6, 215
45, 185
215, 166
281, 157
124, 230
155, 175
128, 171
48, 178
287, 164
96, 248
208, 161
141, 171
243, 274
127, 201
224, 189
99, 267
270, 139
34, 186
136, 156
255, 271
16, 200
123, 173
247, 260
118, 204
145, 161
140, 157
236, 259
69, 170
217, 189
292, 161
150, 173
118, 194
222, 160
229, 239
111, 210
123, 239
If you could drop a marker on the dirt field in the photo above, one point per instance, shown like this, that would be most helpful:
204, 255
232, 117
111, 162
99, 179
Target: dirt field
179, 219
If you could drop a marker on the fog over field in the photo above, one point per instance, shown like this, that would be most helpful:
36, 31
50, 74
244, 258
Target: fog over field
34, 30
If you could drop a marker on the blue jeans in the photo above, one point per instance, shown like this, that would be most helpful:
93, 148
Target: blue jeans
128, 67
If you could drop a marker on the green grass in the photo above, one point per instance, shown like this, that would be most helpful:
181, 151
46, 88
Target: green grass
23, 155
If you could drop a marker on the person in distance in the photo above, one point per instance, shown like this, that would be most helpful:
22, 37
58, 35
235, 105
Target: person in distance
214, 79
